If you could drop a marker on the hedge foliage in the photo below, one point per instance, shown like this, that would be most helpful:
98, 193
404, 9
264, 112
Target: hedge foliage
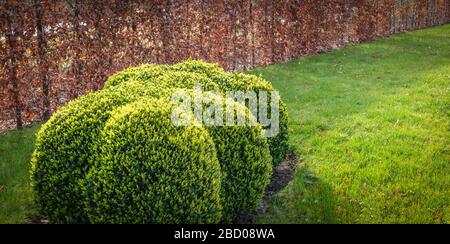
66, 146
246, 163
243, 82
152, 171
222, 81
115, 157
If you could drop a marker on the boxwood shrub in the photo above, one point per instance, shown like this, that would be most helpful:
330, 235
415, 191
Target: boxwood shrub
245, 160
147, 72
140, 73
244, 82
94, 141
224, 82
151, 171
199, 67
65, 149
246, 163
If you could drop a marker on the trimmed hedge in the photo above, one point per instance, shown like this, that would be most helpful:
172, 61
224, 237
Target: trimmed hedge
245, 160
66, 148
199, 67
106, 157
246, 163
184, 80
224, 82
147, 72
140, 73
243, 82
151, 171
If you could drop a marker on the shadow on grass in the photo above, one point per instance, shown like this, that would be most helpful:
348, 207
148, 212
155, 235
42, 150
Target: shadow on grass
281, 177
313, 198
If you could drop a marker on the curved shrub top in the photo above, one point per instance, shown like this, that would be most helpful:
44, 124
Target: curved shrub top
244, 82
146, 72
245, 160
65, 147
152, 171
218, 80
115, 156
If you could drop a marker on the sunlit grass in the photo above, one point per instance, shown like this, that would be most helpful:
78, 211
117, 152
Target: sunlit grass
371, 123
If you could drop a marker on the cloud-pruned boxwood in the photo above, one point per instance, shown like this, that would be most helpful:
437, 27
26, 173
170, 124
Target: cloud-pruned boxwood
81, 152
224, 81
151, 171
244, 156
183, 80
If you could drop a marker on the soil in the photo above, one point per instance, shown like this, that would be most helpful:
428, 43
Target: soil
281, 176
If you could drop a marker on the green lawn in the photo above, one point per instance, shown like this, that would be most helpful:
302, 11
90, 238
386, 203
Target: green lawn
15, 193
370, 124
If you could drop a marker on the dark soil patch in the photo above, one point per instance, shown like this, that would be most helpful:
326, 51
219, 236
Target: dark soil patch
281, 176
38, 221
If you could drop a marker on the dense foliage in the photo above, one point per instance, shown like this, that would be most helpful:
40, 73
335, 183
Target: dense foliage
150, 171
189, 73
115, 156
66, 146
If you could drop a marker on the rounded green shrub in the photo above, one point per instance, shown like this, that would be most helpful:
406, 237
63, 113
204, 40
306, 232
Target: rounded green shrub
184, 80
206, 75
243, 82
199, 67
139, 73
92, 142
244, 157
151, 171
147, 72
65, 149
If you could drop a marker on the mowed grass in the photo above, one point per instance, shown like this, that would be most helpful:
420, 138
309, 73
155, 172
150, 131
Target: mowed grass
16, 203
370, 124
